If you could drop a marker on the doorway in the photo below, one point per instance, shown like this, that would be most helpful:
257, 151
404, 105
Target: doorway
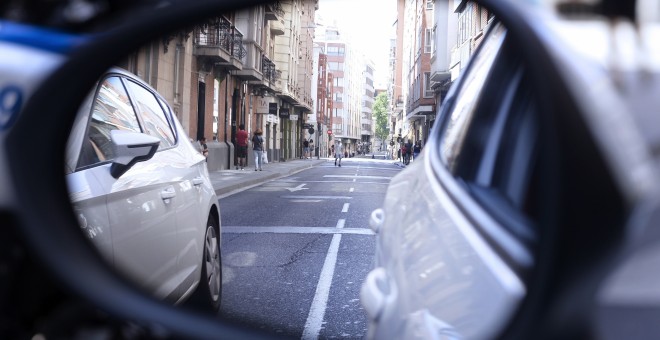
201, 109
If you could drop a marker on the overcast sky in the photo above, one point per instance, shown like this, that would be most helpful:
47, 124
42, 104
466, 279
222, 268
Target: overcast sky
370, 23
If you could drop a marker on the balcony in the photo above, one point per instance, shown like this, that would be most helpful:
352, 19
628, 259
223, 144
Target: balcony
274, 11
271, 74
268, 76
277, 27
221, 43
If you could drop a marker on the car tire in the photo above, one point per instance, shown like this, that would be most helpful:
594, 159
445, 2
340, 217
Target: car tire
208, 294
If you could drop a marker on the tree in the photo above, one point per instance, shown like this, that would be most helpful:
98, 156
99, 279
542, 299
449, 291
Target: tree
379, 111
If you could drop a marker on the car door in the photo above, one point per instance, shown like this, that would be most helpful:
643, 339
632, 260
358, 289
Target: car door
458, 234
140, 221
178, 170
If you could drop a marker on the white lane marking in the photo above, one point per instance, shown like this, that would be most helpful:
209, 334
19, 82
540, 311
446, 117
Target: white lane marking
341, 223
354, 179
351, 190
384, 183
345, 208
353, 176
318, 197
306, 201
294, 230
320, 302
298, 188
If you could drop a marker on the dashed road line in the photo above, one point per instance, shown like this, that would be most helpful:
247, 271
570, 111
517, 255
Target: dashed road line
353, 176
295, 230
320, 302
345, 208
317, 197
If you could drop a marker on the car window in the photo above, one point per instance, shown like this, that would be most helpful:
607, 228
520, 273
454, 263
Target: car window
111, 110
472, 85
155, 121
168, 115
491, 135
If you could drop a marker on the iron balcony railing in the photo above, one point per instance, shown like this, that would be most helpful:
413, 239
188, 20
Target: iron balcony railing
219, 32
277, 8
269, 71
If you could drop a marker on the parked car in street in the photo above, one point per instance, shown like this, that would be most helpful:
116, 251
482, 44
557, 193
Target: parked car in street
142, 193
538, 176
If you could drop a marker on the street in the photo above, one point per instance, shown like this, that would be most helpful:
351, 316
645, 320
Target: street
296, 250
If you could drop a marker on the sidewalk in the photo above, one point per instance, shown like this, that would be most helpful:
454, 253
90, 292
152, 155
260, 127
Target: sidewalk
229, 181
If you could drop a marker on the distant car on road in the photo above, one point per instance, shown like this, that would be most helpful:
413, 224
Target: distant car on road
142, 194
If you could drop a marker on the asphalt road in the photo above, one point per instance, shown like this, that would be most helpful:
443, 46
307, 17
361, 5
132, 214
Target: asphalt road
296, 250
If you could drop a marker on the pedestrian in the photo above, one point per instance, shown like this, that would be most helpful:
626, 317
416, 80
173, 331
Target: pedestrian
417, 149
305, 148
311, 148
241, 146
338, 152
258, 148
403, 152
409, 150
203, 148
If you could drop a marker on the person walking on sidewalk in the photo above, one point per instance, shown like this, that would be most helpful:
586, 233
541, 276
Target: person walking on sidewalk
339, 152
258, 148
305, 148
242, 144
417, 149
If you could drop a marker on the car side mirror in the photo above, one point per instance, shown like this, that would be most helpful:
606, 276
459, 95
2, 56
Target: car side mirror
130, 148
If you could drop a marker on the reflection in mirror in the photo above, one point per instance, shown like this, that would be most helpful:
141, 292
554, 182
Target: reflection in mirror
304, 74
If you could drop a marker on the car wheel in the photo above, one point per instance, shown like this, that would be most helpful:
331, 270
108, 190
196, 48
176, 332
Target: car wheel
209, 291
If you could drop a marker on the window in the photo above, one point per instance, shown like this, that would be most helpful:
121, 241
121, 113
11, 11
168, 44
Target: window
433, 47
428, 92
465, 27
111, 111
335, 66
335, 50
428, 40
155, 120
429, 4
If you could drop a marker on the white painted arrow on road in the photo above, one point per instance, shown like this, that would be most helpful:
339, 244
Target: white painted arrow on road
298, 188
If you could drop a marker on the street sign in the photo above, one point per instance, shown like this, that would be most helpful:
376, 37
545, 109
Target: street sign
272, 108
311, 131
329, 132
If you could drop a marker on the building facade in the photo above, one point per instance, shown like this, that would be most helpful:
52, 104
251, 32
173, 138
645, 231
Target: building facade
252, 67
367, 126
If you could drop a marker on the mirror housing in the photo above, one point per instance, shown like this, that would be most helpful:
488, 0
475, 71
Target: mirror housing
130, 148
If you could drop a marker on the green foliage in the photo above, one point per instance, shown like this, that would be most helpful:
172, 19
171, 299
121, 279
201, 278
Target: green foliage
379, 111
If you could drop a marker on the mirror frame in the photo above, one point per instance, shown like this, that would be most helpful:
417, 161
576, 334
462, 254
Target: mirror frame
553, 284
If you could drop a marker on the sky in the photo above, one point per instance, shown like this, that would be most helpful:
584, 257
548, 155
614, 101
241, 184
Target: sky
370, 26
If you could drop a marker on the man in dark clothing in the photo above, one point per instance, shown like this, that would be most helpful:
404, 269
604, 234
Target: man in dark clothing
241, 145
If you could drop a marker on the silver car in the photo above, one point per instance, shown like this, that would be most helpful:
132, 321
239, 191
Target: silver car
142, 193
541, 172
